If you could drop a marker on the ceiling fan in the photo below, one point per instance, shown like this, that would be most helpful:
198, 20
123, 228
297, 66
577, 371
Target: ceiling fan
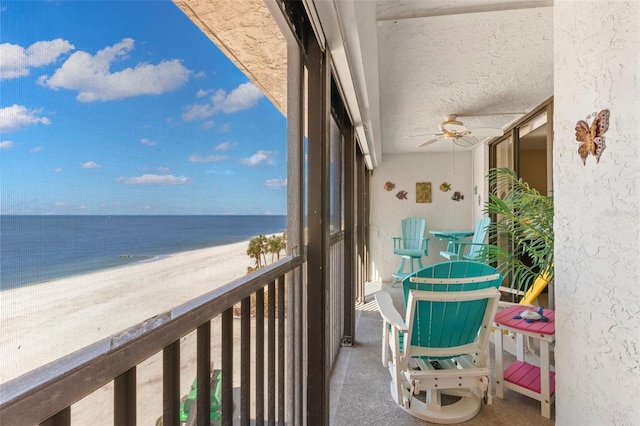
462, 136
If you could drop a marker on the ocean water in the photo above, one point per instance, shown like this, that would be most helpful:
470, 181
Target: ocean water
40, 248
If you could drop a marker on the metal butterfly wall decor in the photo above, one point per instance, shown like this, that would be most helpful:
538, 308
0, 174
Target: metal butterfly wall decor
591, 138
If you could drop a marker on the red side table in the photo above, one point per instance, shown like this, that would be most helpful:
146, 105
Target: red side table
525, 378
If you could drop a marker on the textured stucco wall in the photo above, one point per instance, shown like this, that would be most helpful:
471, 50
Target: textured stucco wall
597, 219
442, 213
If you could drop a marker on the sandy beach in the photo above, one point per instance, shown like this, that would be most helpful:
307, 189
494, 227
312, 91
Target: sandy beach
45, 321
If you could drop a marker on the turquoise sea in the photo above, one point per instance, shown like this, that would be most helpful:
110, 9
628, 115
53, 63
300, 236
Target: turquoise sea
41, 248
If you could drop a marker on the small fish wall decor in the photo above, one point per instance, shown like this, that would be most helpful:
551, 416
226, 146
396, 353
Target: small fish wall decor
445, 186
402, 195
457, 196
389, 186
590, 138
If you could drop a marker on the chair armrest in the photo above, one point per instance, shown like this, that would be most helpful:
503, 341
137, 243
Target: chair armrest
470, 243
397, 242
453, 246
462, 247
389, 312
425, 245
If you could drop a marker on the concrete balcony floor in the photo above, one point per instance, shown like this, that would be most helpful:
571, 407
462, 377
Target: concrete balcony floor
360, 392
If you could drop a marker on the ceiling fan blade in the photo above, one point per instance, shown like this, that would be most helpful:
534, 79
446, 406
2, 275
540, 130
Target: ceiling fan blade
465, 141
429, 142
422, 135
486, 132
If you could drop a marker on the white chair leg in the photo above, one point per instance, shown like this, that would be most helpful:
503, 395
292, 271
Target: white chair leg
385, 343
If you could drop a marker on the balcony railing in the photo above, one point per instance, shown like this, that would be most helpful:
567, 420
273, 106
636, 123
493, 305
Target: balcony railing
45, 395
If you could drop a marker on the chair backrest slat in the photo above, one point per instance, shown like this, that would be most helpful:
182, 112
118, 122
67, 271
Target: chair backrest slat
413, 232
479, 235
449, 323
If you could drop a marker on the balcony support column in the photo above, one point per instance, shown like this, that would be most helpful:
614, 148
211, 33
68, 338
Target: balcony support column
318, 233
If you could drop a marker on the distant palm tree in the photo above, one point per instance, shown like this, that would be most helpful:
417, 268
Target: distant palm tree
256, 250
275, 245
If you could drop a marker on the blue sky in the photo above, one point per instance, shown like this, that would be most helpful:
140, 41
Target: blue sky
125, 107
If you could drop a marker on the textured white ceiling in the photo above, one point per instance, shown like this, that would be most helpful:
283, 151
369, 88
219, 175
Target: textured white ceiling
472, 58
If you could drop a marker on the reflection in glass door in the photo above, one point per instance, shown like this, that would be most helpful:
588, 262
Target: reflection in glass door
532, 152
504, 153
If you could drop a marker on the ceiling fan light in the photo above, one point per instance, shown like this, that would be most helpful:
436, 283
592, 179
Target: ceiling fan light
453, 126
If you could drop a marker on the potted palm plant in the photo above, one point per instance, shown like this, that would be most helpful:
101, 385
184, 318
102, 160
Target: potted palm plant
522, 229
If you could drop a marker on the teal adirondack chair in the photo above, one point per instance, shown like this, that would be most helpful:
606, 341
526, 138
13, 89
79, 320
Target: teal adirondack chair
411, 246
469, 250
441, 346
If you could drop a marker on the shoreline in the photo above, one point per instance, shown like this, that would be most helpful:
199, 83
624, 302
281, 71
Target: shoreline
136, 260
44, 321
39, 248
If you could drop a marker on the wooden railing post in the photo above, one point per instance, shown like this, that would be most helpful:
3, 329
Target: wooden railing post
62, 418
171, 384
260, 357
227, 367
245, 361
124, 398
271, 349
203, 374
281, 351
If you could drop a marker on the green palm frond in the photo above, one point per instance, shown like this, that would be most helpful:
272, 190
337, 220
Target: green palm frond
524, 217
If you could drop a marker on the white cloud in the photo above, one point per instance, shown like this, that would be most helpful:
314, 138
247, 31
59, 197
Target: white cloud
149, 179
36, 149
225, 146
198, 111
7, 144
17, 116
16, 60
275, 183
243, 97
148, 142
91, 165
90, 75
225, 172
58, 170
206, 159
163, 169
259, 157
